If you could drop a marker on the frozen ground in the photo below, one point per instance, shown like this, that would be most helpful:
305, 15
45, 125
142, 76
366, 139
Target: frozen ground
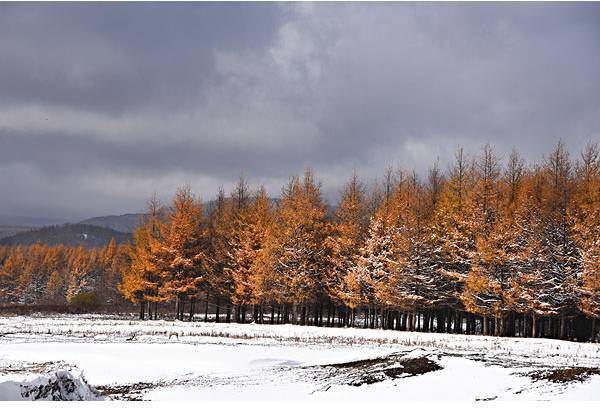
163, 360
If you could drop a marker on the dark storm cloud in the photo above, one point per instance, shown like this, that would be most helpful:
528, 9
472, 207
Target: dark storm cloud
117, 57
101, 104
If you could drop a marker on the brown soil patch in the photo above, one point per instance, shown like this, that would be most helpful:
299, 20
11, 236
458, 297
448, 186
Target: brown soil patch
370, 362
374, 370
565, 375
130, 392
411, 367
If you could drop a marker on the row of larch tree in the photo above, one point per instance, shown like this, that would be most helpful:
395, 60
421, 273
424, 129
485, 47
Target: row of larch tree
55, 275
490, 246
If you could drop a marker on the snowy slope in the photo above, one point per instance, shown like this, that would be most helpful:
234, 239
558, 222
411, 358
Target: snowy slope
126, 359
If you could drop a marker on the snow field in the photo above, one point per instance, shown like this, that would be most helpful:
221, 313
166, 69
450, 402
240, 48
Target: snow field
266, 362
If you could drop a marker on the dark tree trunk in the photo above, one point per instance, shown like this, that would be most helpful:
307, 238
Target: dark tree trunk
562, 326
218, 310
272, 313
457, 322
206, 308
192, 307
181, 307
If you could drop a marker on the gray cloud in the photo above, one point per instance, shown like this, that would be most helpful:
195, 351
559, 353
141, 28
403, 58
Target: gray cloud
102, 104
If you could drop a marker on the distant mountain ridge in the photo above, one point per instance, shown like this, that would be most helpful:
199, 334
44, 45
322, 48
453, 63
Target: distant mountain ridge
71, 235
125, 223
91, 232
10, 230
28, 221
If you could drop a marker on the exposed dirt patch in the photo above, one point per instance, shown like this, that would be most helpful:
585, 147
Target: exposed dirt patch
565, 375
127, 392
370, 362
374, 370
487, 398
411, 367
33, 368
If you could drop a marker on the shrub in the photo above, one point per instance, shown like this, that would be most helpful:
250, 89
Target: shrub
83, 299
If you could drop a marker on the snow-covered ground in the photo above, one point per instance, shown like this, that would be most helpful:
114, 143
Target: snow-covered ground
130, 359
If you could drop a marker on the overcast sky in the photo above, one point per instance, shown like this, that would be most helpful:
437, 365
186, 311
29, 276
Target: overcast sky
102, 104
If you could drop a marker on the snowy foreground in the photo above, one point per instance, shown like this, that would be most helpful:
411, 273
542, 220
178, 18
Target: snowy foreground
104, 357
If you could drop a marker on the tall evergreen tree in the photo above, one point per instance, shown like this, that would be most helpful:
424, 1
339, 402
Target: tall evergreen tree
345, 240
181, 256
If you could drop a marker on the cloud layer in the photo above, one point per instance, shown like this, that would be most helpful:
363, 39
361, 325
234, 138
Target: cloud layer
102, 104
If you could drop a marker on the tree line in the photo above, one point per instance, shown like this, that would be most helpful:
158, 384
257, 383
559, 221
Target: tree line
488, 247
40, 274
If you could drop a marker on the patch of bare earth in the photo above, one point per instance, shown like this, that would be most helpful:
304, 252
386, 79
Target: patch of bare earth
565, 375
374, 370
128, 392
33, 368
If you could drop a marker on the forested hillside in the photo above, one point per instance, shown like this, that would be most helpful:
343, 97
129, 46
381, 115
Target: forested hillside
70, 235
10, 230
490, 246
